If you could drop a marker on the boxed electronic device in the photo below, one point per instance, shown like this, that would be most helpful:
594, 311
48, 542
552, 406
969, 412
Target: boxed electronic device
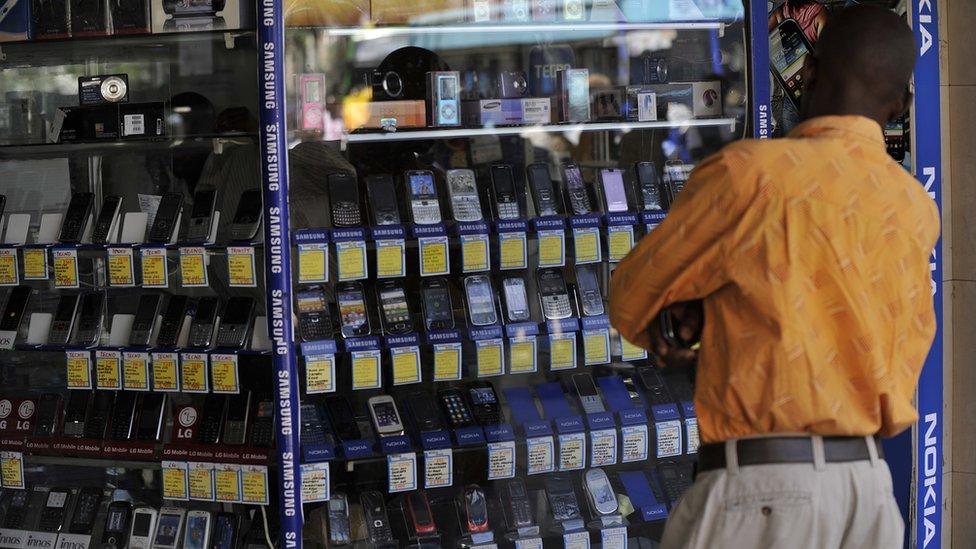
89, 18
129, 17
701, 99
49, 19
311, 13
536, 110
573, 86
385, 114
640, 104
109, 121
15, 20
607, 103
493, 112
398, 12
201, 15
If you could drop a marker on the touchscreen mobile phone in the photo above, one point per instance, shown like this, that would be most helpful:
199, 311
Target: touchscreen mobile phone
516, 299
76, 219
423, 412
424, 205
197, 530
377, 521
344, 199
201, 215
543, 193
87, 504
591, 298
52, 516
16, 308
614, 194
314, 323
386, 417
465, 203
481, 300
505, 193
247, 217
238, 411
455, 407
788, 49
236, 323
352, 309
588, 394
602, 498
167, 216
394, 309
421, 518
343, 418
48, 414
64, 319
151, 417
339, 529
115, 533
484, 403
98, 419
648, 185
204, 319
89, 325
107, 216
896, 136
173, 317
475, 508
383, 199
145, 319
579, 197
76, 413
438, 309
225, 531
553, 294
3, 204
143, 526
169, 528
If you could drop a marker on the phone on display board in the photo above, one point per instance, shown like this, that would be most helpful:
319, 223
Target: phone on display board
484, 403
212, 419
438, 309
386, 417
111, 206
17, 506
505, 194
377, 521
52, 516
588, 394
591, 298
614, 193
225, 531
151, 417
519, 511
383, 199
167, 215
76, 219
543, 192
115, 533
344, 199
481, 300
339, 530
64, 319
169, 528
236, 323
173, 317
197, 530
602, 498
465, 202
475, 509
145, 319
456, 407
262, 428
788, 49
124, 414
648, 185
87, 504
201, 215
676, 174
341, 413
204, 319
247, 217
89, 325
48, 414
313, 426
14, 311
423, 412
424, 205
238, 411
394, 309
75, 413
352, 309
579, 197
143, 526
516, 299
421, 518
562, 498
314, 322
553, 294
100, 414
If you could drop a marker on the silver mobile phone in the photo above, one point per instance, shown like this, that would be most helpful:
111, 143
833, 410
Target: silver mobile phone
465, 203
481, 300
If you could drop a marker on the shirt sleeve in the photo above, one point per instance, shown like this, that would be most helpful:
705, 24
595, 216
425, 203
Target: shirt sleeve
685, 257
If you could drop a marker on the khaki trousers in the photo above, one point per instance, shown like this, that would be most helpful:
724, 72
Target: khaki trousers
816, 505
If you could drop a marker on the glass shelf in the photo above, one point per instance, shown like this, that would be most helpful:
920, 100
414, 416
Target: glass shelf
372, 33
17, 151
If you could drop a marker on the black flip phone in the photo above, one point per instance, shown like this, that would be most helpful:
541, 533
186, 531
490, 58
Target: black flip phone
383, 199
169, 328
100, 415
438, 309
77, 217
394, 309
90, 320
201, 216
145, 319
344, 199
543, 193
87, 503
167, 215
64, 319
484, 403
75, 413
48, 415
212, 420
343, 418
124, 414
247, 218
151, 417
106, 217
236, 323
314, 323
13, 313
238, 412
505, 193
202, 325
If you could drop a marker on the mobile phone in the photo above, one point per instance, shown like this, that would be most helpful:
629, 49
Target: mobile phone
553, 294
262, 428
75, 413
614, 194
169, 528
238, 411
236, 323
394, 307
675, 479
455, 407
197, 530
543, 193
313, 426
481, 300
895, 138
788, 49
48, 415
465, 203
438, 309
600, 492
145, 319
247, 217
484, 403
516, 299
423, 412
339, 530
636, 398
17, 507
588, 394
475, 508
77, 217
504, 192
312, 87
591, 298
225, 530
424, 205
115, 534
314, 323
579, 198
88, 502
648, 185
100, 414
420, 515
13, 313
3, 204
386, 417
173, 317
519, 506
676, 175
167, 215
383, 199
562, 498
352, 309
52, 516
143, 526
64, 319
151, 417
377, 522
443, 89
107, 216
201, 215
124, 414
89, 326
212, 419
202, 325
344, 199
343, 418
655, 388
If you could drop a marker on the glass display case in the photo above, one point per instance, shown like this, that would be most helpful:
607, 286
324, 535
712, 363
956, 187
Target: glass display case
463, 178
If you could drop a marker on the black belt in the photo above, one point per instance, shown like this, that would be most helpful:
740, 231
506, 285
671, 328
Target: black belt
767, 451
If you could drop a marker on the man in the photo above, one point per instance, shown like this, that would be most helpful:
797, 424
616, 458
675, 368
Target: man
810, 256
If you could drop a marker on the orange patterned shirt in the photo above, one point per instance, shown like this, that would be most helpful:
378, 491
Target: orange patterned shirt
811, 254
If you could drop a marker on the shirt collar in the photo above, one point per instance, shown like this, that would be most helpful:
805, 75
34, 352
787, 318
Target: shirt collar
850, 125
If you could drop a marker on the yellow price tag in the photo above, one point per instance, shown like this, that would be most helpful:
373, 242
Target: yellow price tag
174, 480
12, 469
135, 371
193, 267
35, 264
223, 370
313, 263
596, 347
254, 484
586, 243
512, 248
65, 268
447, 362
406, 365
474, 253
490, 358
521, 353
120, 270
389, 258
621, 240
365, 369
352, 260
165, 372
629, 351
552, 250
433, 256
201, 481
227, 480
193, 373
8, 267
155, 273
562, 352
107, 371
240, 267
79, 370
319, 374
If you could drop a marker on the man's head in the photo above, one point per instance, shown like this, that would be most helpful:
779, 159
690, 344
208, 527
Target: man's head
863, 65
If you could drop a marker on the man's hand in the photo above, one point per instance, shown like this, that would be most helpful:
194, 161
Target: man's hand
687, 319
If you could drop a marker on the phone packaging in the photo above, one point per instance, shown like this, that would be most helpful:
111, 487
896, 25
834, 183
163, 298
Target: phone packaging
129, 16
574, 94
536, 110
398, 12
16, 24
640, 104
385, 114
111, 121
702, 99
493, 112
50, 19
89, 18
227, 15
